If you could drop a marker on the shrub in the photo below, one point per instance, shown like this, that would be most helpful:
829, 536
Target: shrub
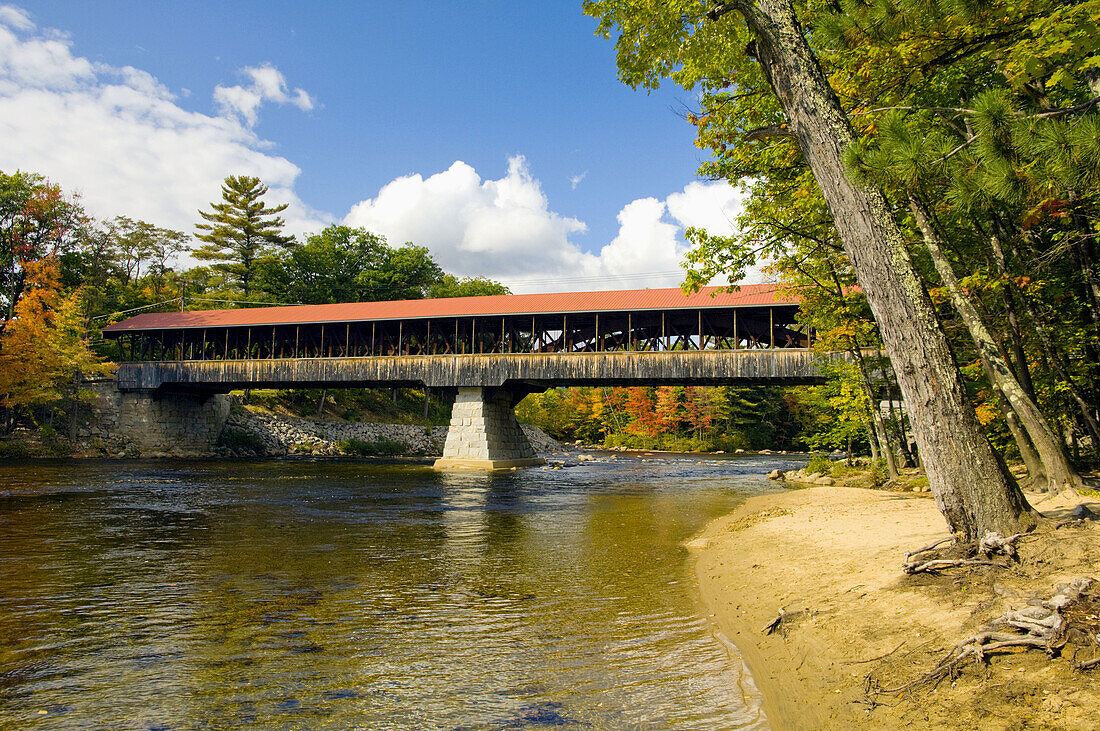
14, 450
819, 462
240, 440
380, 447
877, 472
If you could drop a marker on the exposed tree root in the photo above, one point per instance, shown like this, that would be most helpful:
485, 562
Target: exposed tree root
1068, 617
990, 545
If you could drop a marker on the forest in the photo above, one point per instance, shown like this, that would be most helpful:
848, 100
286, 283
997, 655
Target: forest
927, 174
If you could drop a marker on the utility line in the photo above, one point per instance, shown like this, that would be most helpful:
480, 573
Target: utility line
246, 302
137, 309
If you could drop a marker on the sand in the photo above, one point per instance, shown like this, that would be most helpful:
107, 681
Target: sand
830, 558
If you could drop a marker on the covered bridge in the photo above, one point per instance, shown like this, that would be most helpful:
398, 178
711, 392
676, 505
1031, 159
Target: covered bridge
490, 350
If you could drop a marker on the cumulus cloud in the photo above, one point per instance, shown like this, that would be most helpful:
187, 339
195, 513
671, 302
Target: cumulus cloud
267, 84
505, 229
117, 136
576, 179
501, 228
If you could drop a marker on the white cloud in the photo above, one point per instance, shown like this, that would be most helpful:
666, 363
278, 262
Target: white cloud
15, 17
268, 84
118, 137
505, 229
576, 179
501, 228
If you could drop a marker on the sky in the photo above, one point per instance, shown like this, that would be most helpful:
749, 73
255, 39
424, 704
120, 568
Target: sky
496, 134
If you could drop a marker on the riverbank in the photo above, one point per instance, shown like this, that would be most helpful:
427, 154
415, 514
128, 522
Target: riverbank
830, 559
255, 432
252, 432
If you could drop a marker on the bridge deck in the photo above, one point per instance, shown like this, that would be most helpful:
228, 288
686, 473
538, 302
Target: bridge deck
519, 371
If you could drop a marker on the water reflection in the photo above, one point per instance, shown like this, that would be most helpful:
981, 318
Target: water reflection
300, 594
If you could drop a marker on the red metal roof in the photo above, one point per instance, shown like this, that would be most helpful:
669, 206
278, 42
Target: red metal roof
508, 304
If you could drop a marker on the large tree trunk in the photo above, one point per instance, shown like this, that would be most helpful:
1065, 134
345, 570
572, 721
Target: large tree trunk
1060, 474
970, 482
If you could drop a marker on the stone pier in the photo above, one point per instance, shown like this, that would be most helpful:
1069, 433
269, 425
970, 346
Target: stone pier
484, 434
141, 422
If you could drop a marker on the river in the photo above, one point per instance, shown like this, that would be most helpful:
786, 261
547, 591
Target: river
350, 594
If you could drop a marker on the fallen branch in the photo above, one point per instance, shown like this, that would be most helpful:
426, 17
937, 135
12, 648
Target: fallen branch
929, 547
877, 657
938, 564
773, 625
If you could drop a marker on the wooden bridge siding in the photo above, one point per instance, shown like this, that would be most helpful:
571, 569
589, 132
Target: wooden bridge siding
619, 368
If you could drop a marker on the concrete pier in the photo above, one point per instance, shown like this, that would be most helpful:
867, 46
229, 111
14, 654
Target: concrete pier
484, 433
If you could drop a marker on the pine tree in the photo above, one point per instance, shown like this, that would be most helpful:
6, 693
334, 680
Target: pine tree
242, 229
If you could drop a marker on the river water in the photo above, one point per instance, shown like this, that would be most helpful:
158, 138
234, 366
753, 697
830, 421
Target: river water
349, 594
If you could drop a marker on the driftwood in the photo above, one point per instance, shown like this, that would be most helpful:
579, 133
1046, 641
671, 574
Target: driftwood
1042, 625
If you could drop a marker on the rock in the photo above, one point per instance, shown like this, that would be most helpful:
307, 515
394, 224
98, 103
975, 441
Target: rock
776, 475
826, 481
1082, 512
814, 476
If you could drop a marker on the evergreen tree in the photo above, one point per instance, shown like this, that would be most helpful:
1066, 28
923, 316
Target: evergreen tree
241, 230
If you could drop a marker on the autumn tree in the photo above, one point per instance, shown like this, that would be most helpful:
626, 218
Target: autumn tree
241, 230
36, 220
43, 353
708, 43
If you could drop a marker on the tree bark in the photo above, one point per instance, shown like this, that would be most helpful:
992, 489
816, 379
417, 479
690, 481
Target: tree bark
970, 482
1060, 474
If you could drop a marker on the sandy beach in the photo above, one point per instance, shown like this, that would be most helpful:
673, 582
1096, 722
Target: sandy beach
830, 559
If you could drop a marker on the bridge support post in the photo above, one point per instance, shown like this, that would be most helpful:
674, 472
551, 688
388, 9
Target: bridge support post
484, 433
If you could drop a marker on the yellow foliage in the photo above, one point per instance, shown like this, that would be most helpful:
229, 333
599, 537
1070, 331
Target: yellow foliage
42, 352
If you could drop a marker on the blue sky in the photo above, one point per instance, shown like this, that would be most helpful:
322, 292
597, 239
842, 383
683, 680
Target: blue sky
495, 133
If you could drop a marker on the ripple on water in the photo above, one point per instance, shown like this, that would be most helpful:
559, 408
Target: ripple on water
299, 594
